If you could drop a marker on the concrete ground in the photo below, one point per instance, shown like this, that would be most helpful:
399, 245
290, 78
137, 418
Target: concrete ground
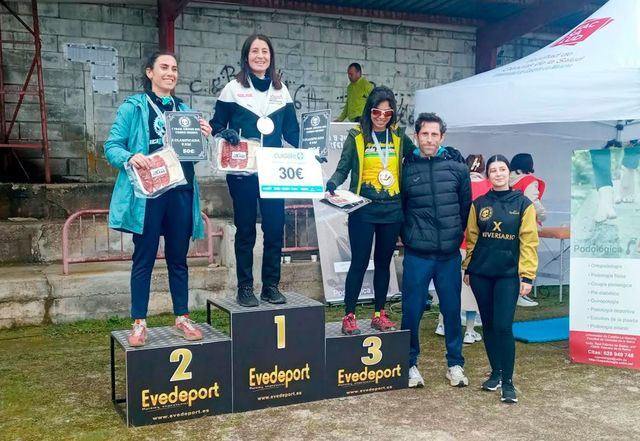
54, 384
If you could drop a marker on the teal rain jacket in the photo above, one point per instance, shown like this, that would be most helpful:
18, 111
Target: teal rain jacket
130, 135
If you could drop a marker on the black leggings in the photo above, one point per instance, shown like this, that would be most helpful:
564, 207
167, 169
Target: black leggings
361, 235
497, 298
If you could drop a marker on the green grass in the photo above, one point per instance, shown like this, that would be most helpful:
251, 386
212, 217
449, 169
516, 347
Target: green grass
54, 380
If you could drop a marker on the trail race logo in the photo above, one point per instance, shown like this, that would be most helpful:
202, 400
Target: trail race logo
583, 31
486, 213
184, 121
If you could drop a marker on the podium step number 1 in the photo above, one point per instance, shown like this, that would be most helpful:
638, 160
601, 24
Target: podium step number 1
278, 351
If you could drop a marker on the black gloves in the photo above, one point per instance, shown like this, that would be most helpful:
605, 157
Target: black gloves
331, 188
321, 159
231, 136
455, 154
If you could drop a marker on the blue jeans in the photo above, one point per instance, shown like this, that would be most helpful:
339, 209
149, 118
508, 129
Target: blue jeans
169, 215
417, 274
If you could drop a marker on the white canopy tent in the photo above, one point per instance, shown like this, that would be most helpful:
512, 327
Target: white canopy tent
566, 96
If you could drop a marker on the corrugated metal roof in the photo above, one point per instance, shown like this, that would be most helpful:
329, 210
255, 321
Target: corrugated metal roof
484, 10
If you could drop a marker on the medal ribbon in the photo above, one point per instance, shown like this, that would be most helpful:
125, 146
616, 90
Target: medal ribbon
263, 111
159, 112
384, 158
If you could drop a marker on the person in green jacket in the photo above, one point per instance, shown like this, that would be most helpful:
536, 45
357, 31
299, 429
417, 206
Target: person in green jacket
372, 154
138, 130
358, 90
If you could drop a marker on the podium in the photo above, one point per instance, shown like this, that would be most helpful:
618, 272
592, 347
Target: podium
278, 351
372, 361
275, 355
171, 379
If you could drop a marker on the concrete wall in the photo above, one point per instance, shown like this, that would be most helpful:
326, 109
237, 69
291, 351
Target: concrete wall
313, 53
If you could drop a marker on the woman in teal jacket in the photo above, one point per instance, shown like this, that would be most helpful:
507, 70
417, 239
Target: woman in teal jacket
137, 131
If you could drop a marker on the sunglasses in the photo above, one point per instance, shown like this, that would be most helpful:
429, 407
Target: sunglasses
382, 113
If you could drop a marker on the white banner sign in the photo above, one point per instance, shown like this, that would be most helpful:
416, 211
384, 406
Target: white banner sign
289, 173
605, 259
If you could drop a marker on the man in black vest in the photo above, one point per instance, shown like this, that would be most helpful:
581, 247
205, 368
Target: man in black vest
436, 192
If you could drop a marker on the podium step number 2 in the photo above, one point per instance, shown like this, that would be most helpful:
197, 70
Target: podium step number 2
170, 379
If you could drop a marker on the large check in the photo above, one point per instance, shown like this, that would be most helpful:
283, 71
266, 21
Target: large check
289, 173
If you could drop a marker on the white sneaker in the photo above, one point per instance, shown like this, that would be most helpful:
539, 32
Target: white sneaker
415, 379
526, 301
440, 329
605, 210
471, 337
455, 375
627, 186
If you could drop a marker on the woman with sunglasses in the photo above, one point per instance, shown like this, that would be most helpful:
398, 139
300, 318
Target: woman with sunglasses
373, 153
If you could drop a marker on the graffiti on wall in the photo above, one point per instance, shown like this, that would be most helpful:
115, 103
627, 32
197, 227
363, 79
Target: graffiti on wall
305, 97
215, 85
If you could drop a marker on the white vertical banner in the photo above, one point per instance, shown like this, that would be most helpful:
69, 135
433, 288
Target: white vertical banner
333, 235
605, 258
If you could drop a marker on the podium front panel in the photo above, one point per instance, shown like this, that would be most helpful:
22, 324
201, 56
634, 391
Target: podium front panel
278, 352
373, 361
171, 379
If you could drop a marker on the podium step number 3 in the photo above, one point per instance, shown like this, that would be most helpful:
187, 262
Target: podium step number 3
370, 362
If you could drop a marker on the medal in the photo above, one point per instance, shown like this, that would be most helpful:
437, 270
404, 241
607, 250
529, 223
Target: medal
265, 125
385, 177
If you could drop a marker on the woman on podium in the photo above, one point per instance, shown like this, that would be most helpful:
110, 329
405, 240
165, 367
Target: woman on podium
372, 154
500, 265
256, 104
138, 130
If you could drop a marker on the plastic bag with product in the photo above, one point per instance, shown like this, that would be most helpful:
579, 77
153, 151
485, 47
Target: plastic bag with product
164, 174
236, 158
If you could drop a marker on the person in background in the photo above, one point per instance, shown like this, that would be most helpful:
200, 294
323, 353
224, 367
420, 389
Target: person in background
358, 90
601, 162
436, 194
523, 179
500, 265
138, 130
372, 154
480, 185
258, 104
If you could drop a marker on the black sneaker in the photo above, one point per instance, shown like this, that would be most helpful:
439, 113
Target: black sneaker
246, 297
273, 295
508, 393
493, 382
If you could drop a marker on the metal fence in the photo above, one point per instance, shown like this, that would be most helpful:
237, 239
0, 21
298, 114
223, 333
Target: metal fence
86, 237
